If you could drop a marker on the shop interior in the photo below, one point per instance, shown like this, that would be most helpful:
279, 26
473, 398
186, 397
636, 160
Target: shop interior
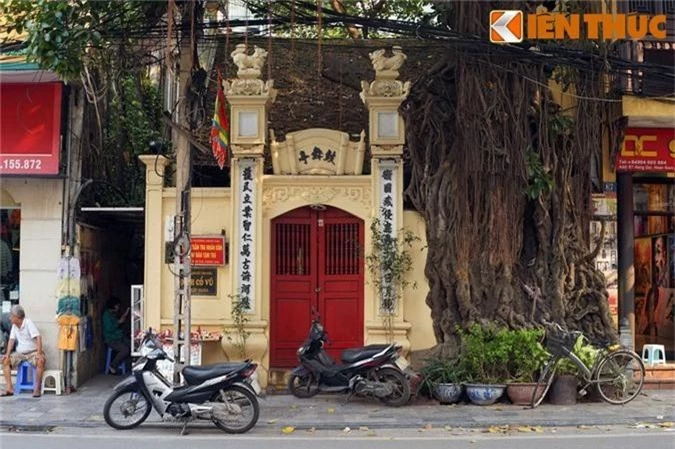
654, 233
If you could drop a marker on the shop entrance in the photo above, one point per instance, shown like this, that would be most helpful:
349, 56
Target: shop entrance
317, 262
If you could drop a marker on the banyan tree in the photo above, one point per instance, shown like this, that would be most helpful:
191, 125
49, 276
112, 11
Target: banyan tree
502, 174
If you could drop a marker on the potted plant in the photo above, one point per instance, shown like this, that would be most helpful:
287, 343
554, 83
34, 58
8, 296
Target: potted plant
564, 388
484, 356
526, 358
443, 378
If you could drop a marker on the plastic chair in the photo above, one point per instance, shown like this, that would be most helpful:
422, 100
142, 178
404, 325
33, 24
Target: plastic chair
654, 354
108, 361
57, 376
25, 377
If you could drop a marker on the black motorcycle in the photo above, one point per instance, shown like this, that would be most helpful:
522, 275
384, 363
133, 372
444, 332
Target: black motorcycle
224, 394
372, 370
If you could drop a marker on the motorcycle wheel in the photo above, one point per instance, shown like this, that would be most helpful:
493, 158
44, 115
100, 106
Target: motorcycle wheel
243, 398
401, 394
135, 403
303, 386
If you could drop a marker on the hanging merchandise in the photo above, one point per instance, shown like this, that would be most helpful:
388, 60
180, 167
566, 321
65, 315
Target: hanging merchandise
68, 311
68, 332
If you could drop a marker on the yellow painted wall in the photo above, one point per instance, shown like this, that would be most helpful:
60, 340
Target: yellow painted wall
416, 312
211, 213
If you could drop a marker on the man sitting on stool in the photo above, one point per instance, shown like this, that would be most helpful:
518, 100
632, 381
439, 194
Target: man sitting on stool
28, 348
112, 332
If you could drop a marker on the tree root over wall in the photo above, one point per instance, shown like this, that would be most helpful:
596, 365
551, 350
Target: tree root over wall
503, 179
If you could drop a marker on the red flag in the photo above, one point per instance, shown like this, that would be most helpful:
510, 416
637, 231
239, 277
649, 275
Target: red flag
220, 127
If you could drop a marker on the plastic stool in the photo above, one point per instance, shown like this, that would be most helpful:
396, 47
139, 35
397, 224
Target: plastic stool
654, 354
25, 377
108, 361
57, 375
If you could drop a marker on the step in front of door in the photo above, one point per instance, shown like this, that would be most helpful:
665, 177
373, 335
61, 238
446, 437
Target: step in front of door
278, 381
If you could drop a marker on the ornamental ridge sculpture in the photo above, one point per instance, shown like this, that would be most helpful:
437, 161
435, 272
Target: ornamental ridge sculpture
249, 68
386, 74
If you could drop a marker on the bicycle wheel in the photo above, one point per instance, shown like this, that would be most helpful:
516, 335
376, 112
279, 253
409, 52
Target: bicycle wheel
544, 382
620, 377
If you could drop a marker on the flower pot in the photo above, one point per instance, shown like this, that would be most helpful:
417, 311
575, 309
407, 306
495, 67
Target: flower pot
484, 394
448, 393
521, 393
563, 390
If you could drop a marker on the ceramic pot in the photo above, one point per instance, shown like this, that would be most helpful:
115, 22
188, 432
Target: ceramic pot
563, 390
484, 394
521, 393
448, 393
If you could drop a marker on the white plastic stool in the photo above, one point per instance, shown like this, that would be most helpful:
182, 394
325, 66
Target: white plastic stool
654, 354
57, 376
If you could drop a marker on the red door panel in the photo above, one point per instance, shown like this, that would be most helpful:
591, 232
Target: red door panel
316, 262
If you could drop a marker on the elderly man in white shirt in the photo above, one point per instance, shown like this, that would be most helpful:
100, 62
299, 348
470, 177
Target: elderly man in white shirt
28, 343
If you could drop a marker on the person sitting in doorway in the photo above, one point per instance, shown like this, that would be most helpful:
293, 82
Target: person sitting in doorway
113, 334
26, 337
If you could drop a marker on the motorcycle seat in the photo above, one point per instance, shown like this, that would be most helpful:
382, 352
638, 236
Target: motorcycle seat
353, 355
197, 374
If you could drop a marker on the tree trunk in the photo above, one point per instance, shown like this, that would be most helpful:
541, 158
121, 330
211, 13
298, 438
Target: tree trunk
503, 180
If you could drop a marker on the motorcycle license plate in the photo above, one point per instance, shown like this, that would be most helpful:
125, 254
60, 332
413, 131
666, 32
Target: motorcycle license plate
402, 363
255, 385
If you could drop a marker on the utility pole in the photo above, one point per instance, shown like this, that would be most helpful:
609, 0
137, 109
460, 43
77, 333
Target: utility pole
182, 259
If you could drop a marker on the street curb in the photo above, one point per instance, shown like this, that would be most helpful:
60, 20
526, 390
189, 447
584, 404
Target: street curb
355, 425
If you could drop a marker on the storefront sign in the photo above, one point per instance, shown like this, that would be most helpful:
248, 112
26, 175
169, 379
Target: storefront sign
30, 128
204, 281
647, 150
207, 250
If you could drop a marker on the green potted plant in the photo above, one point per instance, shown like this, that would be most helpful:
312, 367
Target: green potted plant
443, 378
484, 354
526, 358
564, 388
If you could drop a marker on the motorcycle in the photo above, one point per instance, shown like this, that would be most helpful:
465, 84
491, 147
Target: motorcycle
373, 370
225, 393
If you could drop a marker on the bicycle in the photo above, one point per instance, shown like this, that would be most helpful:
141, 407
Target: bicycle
618, 373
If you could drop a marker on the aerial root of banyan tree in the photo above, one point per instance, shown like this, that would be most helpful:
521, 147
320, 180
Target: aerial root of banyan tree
475, 124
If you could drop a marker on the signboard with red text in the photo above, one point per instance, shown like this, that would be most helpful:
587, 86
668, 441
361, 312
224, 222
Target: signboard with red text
647, 150
30, 128
207, 250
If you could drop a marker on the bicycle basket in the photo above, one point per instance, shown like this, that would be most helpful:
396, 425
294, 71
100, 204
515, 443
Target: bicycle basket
560, 344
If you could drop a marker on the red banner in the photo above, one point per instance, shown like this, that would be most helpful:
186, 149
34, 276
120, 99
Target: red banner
207, 250
30, 128
647, 150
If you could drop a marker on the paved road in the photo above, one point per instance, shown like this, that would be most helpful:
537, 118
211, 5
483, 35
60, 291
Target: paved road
207, 438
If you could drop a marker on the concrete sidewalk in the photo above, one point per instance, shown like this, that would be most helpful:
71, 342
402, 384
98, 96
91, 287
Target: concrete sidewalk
85, 409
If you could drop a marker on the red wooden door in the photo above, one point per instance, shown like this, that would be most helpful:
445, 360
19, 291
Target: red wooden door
317, 262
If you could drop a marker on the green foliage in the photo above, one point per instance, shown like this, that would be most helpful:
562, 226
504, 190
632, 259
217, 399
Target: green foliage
441, 371
484, 353
540, 179
526, 354
389, 263
586, 352
134, 119
240, 306
413, 10
64, 35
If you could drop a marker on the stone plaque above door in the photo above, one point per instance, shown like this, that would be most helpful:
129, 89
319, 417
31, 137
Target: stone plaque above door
317, 151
